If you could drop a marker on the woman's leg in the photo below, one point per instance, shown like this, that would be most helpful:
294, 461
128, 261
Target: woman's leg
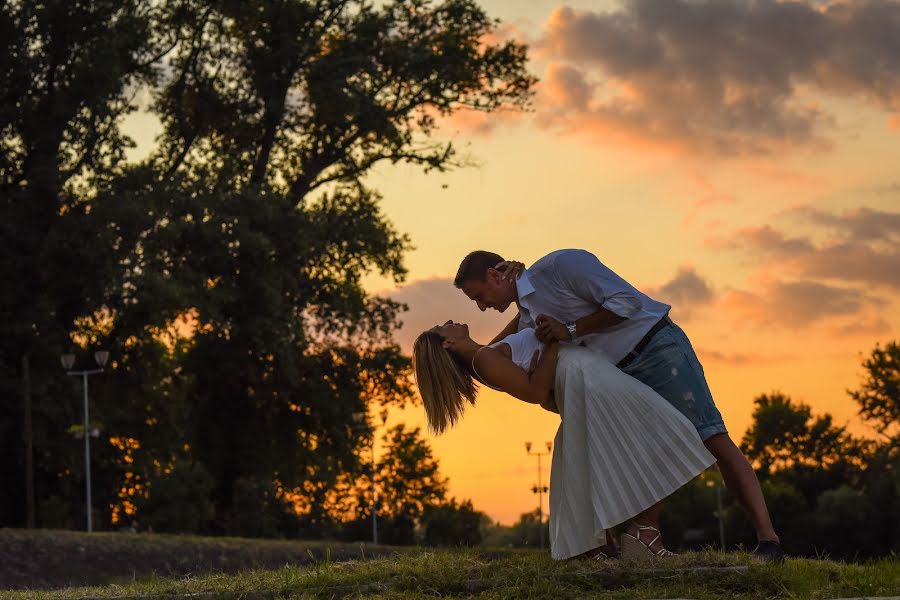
648, 518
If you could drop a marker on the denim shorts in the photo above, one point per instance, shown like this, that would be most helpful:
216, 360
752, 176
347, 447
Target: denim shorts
669, 365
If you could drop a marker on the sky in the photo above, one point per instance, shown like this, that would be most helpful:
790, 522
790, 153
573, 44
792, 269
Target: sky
738, 160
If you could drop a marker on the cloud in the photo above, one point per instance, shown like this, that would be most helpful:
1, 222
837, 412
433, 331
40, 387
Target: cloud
684, 292
864, 247
566, 87
724, 77
794, 304
862, 224
434, 301
740, 359
478, 122
837, 274
868, 326
888, 189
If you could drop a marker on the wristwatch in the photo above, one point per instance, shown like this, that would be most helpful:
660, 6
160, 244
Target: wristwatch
571, 327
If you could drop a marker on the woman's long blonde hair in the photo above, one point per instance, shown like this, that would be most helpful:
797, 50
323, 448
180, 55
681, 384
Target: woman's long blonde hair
444, 380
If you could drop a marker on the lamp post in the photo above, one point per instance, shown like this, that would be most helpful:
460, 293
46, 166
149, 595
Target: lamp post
68, 360
539, 489
360, 419
719, 512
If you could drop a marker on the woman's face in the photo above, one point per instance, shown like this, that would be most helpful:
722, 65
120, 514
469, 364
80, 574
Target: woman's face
452, 331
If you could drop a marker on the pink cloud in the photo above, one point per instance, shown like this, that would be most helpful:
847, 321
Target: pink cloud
792, 304
684, 292
864, 247
724, 78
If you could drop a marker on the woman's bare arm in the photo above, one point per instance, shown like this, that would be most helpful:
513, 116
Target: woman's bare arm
500, 372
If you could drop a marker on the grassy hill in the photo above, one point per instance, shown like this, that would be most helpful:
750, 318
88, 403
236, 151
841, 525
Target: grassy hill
52, 559
331, 572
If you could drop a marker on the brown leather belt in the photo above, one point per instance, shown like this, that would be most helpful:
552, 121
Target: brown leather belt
660, 325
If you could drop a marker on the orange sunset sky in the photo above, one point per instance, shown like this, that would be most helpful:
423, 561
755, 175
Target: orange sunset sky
739, 160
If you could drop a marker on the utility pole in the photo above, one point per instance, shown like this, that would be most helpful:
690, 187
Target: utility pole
29, 445
68, 360
720, 514
539, 489
361, 424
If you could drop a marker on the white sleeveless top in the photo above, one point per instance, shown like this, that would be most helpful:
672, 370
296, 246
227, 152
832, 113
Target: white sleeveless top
523, 344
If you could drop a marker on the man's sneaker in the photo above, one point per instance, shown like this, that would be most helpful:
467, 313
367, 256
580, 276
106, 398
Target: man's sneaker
768, 551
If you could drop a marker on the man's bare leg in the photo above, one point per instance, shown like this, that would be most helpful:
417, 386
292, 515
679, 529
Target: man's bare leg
741, 480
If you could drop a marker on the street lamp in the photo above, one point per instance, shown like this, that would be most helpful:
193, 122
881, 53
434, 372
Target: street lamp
539, 489
360, 419
719, 512
68, 361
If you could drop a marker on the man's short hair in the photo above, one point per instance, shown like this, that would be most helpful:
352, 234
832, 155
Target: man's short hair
475, 265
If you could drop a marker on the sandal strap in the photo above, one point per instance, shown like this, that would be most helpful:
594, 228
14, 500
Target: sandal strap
662, 551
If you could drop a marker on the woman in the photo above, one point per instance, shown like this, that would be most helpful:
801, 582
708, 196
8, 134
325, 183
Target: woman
620, 448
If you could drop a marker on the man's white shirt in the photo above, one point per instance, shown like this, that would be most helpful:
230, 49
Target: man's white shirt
570, 284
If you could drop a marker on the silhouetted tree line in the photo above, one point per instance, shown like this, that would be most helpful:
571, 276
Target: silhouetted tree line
830, 493
223, 271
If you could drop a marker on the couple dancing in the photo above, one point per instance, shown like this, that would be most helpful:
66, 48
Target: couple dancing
637, 417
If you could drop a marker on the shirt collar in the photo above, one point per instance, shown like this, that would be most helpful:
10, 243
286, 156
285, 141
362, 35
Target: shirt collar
523, 286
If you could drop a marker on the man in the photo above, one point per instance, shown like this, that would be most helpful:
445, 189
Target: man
569, 295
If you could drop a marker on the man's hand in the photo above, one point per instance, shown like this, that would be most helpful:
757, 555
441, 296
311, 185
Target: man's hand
548, 329
511, 269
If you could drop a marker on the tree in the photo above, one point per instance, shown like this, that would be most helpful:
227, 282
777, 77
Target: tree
878, 395
66, 74
453, 524
226, 268
177, 500
409, 483
785, 435
262, 224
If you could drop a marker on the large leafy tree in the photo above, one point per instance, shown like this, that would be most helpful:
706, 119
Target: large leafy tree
66, 71
225, 269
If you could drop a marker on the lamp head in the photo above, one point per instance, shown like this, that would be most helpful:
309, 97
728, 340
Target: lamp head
358, 417
527, 446
67, 360
101, 356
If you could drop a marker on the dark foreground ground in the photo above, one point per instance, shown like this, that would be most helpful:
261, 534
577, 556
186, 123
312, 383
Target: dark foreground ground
55, 565
44, 559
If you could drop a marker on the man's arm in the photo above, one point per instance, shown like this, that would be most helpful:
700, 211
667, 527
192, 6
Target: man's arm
597, 321
511, 328
549, 328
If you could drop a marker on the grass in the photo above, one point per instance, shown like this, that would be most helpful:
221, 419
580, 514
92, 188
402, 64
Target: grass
55, 559
426, 573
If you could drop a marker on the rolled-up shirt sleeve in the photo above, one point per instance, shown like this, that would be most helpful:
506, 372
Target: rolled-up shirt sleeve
586, 277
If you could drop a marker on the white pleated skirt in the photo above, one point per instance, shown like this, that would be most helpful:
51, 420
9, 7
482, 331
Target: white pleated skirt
620, 449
